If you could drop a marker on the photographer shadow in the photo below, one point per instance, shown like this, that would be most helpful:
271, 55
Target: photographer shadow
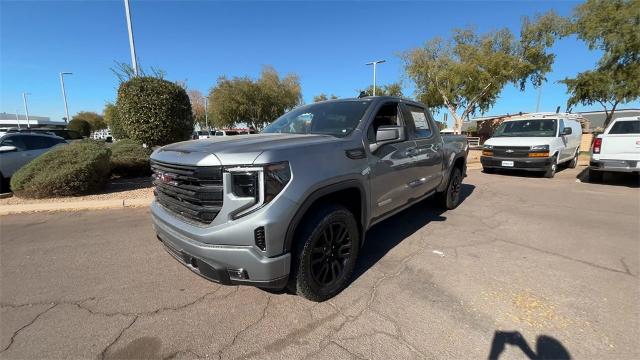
546, 346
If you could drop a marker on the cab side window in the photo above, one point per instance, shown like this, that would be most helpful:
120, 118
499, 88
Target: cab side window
14, 141
417, 120
387, 115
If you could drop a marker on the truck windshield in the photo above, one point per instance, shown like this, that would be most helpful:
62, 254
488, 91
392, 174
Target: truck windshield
527, 128
336, 118
625, 127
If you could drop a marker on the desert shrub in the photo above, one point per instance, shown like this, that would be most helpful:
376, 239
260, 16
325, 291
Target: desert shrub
113, 121
129, 158
81, 126
75, 169
154, 111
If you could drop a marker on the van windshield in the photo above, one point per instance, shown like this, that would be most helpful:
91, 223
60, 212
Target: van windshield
527, 128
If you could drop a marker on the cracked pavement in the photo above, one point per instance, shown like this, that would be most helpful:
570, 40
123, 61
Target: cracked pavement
524, 265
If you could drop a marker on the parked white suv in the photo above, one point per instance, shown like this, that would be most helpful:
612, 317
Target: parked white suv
617, 149
534, 142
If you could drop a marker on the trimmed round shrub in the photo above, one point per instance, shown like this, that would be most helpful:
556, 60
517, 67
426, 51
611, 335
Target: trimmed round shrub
81, 126
75, 169
113, 121
129, 158
154, 111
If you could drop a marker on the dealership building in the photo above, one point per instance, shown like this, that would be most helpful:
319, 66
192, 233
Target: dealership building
13, 120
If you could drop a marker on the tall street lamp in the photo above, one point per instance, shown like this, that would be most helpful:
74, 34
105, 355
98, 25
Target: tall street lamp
132, 46
374, 63
26, 108
64, 95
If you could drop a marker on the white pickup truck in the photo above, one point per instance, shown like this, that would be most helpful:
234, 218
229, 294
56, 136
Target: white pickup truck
617, 149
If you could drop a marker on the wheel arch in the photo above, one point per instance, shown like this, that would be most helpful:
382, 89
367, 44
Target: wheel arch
349, 193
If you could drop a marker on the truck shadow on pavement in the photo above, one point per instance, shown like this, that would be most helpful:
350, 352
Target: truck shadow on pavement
546, 346
630, 180
384, 236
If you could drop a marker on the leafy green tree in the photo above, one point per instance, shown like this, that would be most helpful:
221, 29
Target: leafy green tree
255, 102
612, 27
80, 125
113, 122
393, 89
324, 97
467, 72
154, 111
96, 121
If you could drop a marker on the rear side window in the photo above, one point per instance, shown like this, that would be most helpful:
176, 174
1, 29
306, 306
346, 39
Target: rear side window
625, 127
417, 117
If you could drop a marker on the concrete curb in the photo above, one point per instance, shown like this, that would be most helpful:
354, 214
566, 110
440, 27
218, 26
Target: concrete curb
74, 206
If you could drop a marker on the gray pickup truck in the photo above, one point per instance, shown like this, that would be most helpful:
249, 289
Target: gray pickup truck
290, 207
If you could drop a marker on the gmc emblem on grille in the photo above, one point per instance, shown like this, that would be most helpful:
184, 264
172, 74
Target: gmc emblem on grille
166, 178
509, 151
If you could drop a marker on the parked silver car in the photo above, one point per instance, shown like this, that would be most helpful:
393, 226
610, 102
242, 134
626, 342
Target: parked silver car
18, 149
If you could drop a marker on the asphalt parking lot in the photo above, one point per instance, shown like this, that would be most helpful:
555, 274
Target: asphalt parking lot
525, 267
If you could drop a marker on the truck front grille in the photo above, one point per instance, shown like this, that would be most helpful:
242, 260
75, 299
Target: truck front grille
193, 193
511, 151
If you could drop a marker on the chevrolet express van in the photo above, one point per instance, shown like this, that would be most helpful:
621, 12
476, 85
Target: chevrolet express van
534, 142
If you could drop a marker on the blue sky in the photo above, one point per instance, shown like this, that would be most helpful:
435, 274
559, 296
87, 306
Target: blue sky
325, 43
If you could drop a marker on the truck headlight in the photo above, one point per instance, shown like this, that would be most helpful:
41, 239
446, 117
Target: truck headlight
487, 150
262, 183
276, 177
540, 148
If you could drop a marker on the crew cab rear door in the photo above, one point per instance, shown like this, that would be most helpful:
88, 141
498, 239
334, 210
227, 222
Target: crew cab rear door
621, 141
428, 154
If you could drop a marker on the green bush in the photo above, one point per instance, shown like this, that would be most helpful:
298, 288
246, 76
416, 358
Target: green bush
113, 121
154, 111
75, 169
129, 158
81, 126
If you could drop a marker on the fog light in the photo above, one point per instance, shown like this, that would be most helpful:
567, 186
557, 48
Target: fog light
240, 274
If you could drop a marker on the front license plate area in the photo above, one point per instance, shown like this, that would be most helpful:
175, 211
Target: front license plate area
507, 163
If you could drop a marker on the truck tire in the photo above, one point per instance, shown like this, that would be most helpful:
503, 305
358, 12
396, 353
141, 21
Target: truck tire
595, 176
450, 198
325, 253
574, 162
4, 184
551, 170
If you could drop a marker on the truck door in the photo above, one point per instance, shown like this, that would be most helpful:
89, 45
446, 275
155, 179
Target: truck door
391, 166
428, 157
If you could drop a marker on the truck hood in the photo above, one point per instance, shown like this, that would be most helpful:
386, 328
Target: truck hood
518, 141
234, 150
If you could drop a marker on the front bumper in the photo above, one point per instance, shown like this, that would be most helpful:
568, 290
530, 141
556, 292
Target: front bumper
626, 166
225, 264
530, 164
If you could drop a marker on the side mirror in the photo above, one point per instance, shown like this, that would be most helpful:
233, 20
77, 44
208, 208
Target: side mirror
7, 148
566, 131
387, 135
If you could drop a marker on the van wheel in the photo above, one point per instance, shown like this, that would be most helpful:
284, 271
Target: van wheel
574, 161
551, 170
326, 253
450, 198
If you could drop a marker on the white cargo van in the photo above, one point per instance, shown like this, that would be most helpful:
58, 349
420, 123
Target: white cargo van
617, 149
534, 142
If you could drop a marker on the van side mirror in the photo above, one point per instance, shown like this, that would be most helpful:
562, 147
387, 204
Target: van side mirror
566, 131
7, 148
387, 135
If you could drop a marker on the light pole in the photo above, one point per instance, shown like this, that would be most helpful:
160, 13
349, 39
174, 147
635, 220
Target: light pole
206, 115
64, 95
26, 108
374, 63
132, 46
539, 96
17, 119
